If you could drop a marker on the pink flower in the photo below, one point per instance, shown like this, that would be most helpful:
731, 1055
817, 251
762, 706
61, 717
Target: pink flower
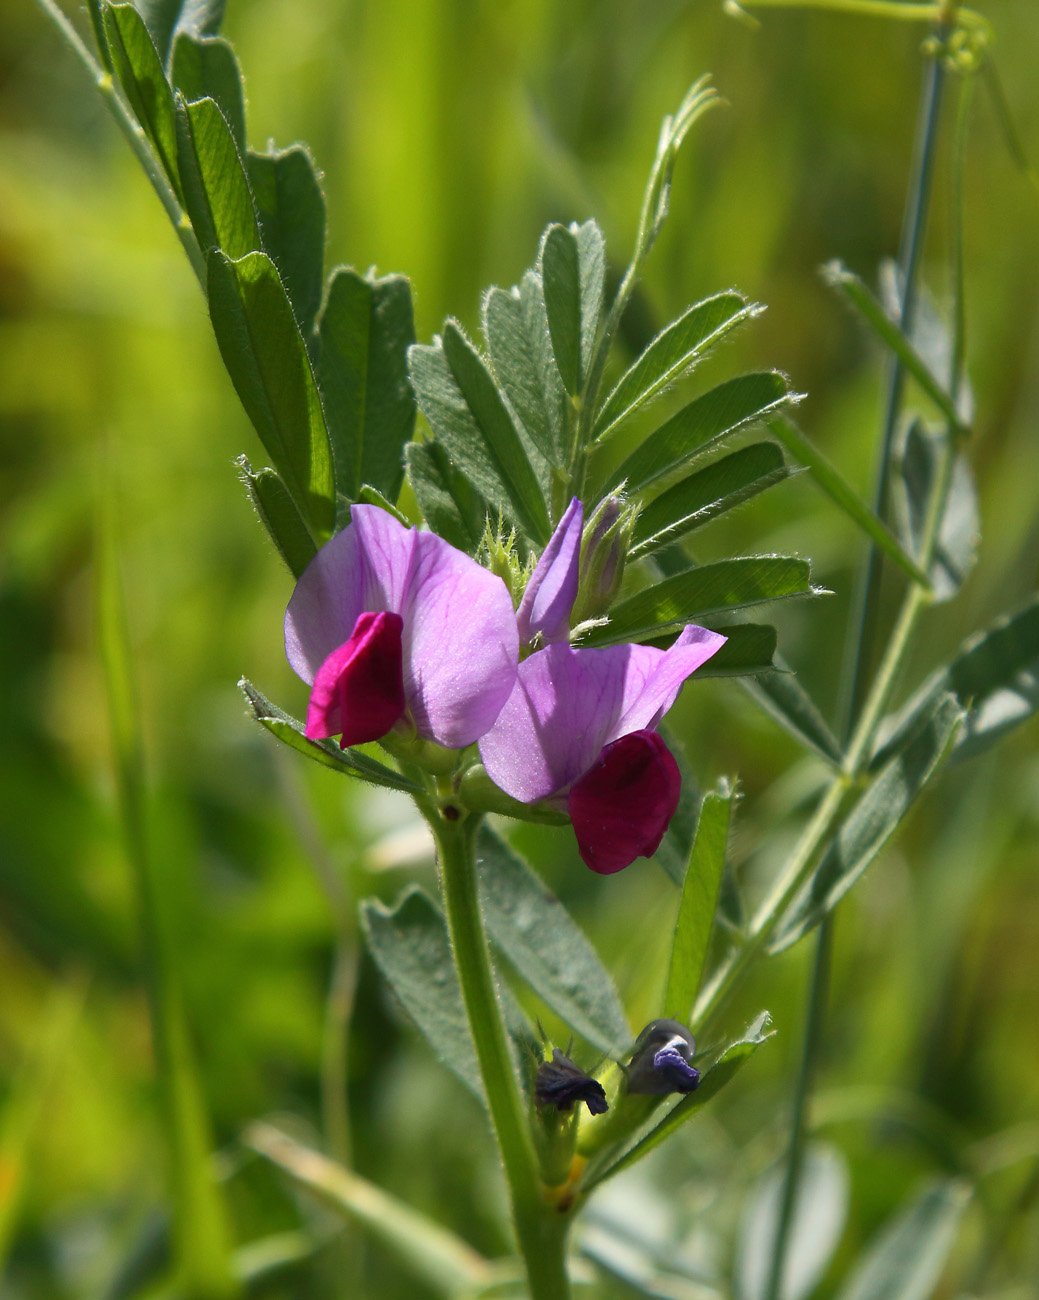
389, 624
579, 728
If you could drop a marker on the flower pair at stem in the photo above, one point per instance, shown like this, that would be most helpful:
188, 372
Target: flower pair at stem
402, 637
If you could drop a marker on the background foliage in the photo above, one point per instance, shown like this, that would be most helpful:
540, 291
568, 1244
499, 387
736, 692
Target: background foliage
450, 133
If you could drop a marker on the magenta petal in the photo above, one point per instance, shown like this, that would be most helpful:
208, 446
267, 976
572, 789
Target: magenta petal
552, 589
358, 692
621, 807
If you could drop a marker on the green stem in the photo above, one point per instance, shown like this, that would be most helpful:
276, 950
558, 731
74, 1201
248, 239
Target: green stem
700, 98
803, 1091
135, 137
800, 864
200, 1230
863, 639
911, 11
540, 1230
863, 636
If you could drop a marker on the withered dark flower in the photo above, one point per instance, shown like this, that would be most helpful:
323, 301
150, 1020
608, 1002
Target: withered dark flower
560, 1083
660, 1060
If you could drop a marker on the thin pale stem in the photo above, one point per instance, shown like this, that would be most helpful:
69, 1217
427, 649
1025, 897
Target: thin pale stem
863, 637
135, 138
701, 97
339, 1007
540, 1230
907, 11
805, 855
802, 1093
862, 642
339, 1003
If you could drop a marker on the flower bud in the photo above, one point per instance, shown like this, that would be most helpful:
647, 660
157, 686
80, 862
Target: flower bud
603, 553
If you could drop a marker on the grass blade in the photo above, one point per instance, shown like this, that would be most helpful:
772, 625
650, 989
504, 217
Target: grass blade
200, 1229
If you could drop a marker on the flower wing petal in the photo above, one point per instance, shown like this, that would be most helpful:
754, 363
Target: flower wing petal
556, 721
655, 677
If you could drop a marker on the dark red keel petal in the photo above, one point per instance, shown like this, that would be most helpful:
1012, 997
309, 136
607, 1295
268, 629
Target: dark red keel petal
358, 692
621, 807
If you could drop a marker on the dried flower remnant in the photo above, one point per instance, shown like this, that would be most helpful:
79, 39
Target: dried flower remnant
562, 1084
661, 1060
393, 626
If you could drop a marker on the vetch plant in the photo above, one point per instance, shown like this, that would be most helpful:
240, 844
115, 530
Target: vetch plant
510, 648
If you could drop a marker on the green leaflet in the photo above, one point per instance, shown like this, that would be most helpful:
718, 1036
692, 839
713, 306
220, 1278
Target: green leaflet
960, 529
410, 946
750, 649
841, 494
708, 589
781, 694
450, 504
710, 492
166, 19
906, 1259
206, 68
671, 354
856, 293
365, 329
699, 899
216, 192
468, 415
819, 1214
994, 676
536, 933
724, 1065
326, 752
291, 209
701, 424
265, 356
515, 325
140, 71
573, 272
871, 822
278, 515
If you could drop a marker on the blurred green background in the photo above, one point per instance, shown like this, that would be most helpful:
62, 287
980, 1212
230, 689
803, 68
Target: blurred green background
450, 132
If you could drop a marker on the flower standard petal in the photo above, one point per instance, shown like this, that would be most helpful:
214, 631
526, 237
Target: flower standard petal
552, 589
363, 569
459, 643
622, 805
358, 692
